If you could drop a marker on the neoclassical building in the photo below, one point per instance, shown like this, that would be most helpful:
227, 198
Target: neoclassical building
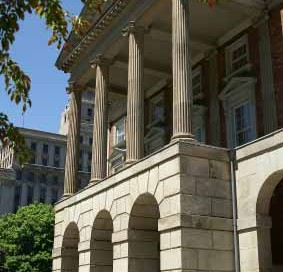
41, 179
187, 169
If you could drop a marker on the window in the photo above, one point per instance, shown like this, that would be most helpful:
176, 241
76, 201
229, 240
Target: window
30, 195
237, 56
120, 131
56, 162
197, 83
42, 195
43, 178
199, 122
19, 175
81, 139
33, 146
54, 196
30, 176
242, 124
55, 180
90, 140
57, 150
17, 197
156, 108
239, 105
45, 148
89, 112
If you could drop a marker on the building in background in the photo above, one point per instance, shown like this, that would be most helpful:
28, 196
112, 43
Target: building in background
42, 178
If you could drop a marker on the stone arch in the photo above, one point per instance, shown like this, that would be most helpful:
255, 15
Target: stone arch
70, 254
101, 248
269, 210
144, 240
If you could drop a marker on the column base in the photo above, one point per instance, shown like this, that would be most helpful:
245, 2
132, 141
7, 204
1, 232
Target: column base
66, 195
183, 136
94, 181
131, 161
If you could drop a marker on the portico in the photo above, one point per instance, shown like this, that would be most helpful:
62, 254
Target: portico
167, 208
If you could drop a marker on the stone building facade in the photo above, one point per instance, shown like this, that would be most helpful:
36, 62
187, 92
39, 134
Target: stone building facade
42, 179
186, 169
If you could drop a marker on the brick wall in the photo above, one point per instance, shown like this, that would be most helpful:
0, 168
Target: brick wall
276, 39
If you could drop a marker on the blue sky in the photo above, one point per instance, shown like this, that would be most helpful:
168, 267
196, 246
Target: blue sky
48, 84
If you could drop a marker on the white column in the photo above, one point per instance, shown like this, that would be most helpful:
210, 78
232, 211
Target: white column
73, 141
181, 55
135, 106
99, 147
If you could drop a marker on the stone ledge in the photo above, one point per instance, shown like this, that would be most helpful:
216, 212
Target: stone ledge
259, 146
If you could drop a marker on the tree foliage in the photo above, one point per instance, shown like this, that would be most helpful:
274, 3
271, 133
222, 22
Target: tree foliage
16, 82
27, 238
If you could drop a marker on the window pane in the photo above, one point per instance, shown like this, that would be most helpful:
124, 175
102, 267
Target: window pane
243, 126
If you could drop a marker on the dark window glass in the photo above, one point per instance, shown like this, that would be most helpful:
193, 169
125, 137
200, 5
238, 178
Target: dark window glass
30, 195
17, 197
54, 195
81, 139
56, 162
19, 175
30, 176
43, 178
57, 150
42, 196
33, 146
45, 148
90, 141
55, 180
89, 112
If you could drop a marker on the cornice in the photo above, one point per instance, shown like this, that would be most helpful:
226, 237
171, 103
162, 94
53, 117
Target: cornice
65, 61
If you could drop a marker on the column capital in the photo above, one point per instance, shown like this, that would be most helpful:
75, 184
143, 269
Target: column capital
100, 60
132, 28
73, 87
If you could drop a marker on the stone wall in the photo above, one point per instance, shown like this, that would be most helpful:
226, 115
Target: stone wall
259, 168
174, 205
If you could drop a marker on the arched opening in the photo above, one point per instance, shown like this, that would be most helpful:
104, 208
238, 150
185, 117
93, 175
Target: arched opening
144, 248
276, 232
101, 258
270, 238
70, 254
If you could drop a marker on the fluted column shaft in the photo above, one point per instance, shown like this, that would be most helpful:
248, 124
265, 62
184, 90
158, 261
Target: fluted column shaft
181, 55
135, 105
99, 148
73, 141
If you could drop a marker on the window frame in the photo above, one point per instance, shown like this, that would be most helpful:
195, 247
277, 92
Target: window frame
229, 56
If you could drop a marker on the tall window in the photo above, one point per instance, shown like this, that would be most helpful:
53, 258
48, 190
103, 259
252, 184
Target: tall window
156, 108
43, 178
42, 195
17, 197
54, 195
120, 131
44, 156
56, 162
33, 147
30, 176
242, 124
18, 175
237, 56
30, 195
89, 112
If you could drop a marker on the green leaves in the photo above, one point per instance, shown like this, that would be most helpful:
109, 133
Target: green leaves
27, 238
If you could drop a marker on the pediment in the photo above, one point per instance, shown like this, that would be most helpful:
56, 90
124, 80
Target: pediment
234, 84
